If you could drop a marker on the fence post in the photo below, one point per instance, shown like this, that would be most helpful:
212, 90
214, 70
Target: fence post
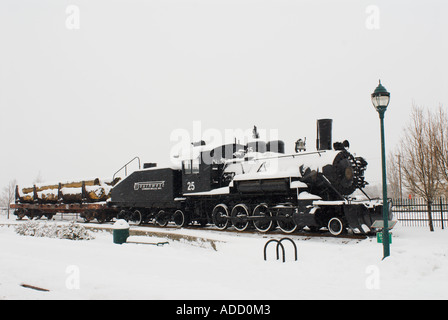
441, 212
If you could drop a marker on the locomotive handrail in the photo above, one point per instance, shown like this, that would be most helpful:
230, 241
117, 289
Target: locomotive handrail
125, 167
293, 155
333, 188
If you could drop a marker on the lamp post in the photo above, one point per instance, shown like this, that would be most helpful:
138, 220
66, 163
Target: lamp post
380, 100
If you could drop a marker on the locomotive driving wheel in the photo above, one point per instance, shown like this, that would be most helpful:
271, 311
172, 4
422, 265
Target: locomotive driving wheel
264, 223
239, 215
220, 216
285, 222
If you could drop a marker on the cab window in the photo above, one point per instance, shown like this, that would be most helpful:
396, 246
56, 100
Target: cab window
186, 164
195, 166
191, 166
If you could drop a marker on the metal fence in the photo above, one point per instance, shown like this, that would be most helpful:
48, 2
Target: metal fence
414, 212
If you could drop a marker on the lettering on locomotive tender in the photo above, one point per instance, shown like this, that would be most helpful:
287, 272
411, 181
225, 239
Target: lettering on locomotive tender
149, 185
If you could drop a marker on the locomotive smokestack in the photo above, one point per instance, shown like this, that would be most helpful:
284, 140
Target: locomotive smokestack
324, 127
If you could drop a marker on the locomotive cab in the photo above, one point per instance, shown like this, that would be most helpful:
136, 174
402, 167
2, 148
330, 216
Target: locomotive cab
198, 176
203, 172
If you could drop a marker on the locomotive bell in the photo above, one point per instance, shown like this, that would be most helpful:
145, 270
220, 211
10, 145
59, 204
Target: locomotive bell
323, 141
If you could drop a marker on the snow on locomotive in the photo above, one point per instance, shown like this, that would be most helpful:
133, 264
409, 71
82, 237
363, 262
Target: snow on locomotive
254, 185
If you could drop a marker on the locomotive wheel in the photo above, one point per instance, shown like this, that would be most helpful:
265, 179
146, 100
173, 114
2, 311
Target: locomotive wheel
286, 223
122, 215
336, 226
263, 225
179, 218
162, 218
220, 216
137, 217
239, 212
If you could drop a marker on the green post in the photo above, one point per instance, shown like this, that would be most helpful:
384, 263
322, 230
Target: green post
380, 99
386, 244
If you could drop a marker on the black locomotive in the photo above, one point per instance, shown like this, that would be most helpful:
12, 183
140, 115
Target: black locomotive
254, 185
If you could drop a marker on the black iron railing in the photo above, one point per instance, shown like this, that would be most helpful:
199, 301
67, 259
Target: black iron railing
415, 212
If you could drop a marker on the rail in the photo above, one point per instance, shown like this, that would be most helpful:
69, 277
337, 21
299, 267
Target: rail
126, 166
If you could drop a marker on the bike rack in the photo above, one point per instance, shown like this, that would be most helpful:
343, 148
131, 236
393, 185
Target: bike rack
280, 245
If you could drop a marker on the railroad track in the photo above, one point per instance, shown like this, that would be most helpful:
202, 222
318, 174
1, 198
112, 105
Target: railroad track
323, 234
230, 230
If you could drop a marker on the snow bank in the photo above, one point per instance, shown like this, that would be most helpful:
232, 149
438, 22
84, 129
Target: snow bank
327, 268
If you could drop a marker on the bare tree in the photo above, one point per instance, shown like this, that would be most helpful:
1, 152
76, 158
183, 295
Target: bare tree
441, 141
394, 185
418, 155
8, 195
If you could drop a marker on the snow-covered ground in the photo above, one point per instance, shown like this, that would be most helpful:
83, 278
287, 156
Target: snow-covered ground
328, 268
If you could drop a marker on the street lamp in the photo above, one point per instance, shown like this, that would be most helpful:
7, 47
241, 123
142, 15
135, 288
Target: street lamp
380, 100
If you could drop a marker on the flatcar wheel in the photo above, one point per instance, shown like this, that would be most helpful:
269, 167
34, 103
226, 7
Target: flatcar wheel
238, 214
263, 225
49, 216
179, 218
100, 217
20, 213
162, 218
220, 216
286, 223
336, 226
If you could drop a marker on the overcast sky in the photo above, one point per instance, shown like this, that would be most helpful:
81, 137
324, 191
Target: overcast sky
87, 85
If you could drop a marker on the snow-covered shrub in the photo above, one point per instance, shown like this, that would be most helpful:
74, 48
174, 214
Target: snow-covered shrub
28, 228
70, 231
74, 231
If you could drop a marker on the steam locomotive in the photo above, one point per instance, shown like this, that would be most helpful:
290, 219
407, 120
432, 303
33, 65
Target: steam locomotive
255, 185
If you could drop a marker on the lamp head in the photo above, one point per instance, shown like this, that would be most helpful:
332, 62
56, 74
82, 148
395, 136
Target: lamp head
380, 98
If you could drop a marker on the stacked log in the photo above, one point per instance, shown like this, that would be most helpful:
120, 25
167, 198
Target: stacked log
93, 190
